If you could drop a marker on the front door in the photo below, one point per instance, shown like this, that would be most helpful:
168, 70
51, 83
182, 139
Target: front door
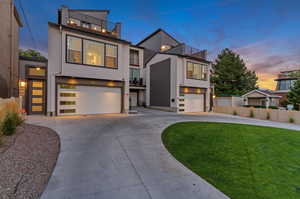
36, 97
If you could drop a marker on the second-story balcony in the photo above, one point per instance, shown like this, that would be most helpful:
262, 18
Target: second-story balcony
94, 24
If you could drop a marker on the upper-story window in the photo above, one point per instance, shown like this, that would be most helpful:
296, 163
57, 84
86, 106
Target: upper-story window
285, 84
111, 55
94, 53
196, 71
134, 57
74, 49
74, 22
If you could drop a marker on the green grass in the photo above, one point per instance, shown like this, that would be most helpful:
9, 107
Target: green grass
243, 161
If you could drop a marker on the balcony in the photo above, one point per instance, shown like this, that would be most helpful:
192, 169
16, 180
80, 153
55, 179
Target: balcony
95, 25
136, 82
184, 49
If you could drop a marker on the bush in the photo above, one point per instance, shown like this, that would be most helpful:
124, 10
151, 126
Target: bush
10, 123
291, 120
251, 113
268, 116
234, 112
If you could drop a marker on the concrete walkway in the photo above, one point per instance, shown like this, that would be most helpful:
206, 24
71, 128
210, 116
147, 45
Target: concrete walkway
122, 157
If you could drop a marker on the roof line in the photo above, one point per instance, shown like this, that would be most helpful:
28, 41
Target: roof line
154, 33
89, 10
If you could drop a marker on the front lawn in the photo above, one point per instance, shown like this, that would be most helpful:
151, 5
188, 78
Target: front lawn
243, 161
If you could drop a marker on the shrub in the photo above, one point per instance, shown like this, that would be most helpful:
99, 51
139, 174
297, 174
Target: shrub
10, 123
234, 112
291, 120
251, 113
268, 116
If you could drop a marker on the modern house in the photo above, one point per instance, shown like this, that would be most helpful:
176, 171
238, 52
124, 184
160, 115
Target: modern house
92, 70
260, 97
88, 67
177, 75
9, 40
33, 84
285, 81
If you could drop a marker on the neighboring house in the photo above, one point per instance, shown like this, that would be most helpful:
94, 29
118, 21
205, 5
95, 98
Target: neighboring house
260, 97
284, 82
9, 40
177, 76
33, 84
88, 67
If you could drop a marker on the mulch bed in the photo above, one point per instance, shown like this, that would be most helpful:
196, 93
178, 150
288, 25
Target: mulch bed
27, 160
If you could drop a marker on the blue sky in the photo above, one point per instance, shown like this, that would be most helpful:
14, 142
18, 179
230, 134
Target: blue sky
266, 33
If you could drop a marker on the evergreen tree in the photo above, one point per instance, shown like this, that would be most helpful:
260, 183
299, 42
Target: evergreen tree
231, 76
294, 95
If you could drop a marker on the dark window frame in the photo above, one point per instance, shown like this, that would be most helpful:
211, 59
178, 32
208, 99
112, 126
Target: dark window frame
82, 53
202, 79
138, 57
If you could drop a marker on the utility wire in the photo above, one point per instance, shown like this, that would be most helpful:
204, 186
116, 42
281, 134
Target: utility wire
27, 24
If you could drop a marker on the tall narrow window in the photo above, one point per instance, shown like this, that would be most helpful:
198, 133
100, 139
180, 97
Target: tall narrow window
134, 57
74, 50
134, 75
111, 56
93, 53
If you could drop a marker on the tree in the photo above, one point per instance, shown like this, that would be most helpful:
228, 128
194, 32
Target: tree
231, 76
31, 54
293, 95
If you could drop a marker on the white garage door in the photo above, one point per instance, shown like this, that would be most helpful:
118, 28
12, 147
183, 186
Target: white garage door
74, 100
194, 102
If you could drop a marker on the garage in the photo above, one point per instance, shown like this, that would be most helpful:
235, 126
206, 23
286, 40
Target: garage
194, 102
77, 100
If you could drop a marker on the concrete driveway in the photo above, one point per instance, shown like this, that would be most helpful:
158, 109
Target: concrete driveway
122, 157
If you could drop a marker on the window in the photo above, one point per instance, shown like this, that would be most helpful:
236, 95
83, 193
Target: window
74, 49
134, 57
36, 71
67, 94
85, 25
134, 74
74, 22
67, 111
93, 53
67, 86
196, 71
67, 103
96, 27
111, 56
285, 84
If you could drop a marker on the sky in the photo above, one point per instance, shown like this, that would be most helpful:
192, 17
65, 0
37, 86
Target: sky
266, 33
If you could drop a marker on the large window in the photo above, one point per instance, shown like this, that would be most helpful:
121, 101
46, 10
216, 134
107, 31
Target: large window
111, 56
134, 57
92, 53
196, 71
285, 84
134, 75
74, 49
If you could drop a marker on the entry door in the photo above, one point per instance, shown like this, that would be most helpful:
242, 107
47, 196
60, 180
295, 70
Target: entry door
36, 97
133, 99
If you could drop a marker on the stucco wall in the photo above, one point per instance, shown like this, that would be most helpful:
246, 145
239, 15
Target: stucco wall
9, 40
259, 113
57, 65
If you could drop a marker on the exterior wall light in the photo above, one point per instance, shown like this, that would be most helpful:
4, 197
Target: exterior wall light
111, 84
214, 96
22, 84
186, 90
38, 68
103, 30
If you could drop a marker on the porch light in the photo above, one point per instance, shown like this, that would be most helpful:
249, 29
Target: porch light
22, 84
111, 84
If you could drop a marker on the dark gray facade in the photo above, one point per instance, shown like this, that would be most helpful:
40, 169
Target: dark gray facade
160, 83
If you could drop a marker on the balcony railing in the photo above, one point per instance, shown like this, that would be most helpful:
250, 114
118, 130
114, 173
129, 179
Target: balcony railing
137, 82
94, 24
185, 49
